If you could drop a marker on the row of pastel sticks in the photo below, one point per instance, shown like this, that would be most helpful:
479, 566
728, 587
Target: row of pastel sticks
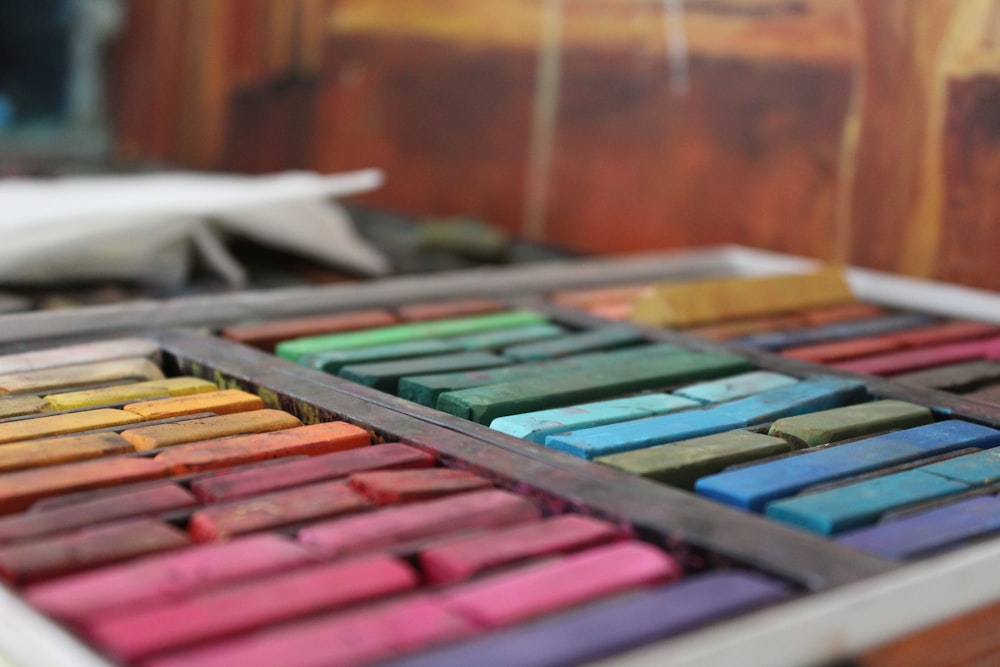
814, 317
168, 522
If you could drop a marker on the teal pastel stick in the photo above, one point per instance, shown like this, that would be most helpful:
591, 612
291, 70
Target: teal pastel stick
386, 375
977, 469
576, 343
535, 426
501, 338
806, 396
735, 386
332, 362
862, 503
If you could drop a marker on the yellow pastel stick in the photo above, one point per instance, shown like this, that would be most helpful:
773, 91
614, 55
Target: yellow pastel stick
207, 428
178, 386
73, 422
79, 375
67, 449
225, 402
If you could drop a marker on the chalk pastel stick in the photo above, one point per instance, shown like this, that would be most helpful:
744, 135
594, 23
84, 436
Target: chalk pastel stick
268, 334
439, 310
16, 406
927, 532
434, 518
274, 510
333, 361
68, 355
820, 428
67, 449
492, 340
225, 402
386, 375
392, 487
587, 341
484, 404
715, 300
530, 591
861, 503
293, 349
462, 558
948, 332
64, 378
177, 386
609, 627
960, 377
682, 463
207, 428
842, 313
325, 467
161, 578
748, 327
834, 332
52, 425
148, 501
824, 353
976, 469
20, 489
928, 357
535, 426
49, 557
753, 487
349, 639
735, 386
310, 440
587, 298
248, 606
803, 397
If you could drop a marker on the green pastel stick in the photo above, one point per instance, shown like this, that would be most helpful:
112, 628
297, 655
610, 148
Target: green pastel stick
386, 375
491, 340
333, 361
587, 341
293, 349
820, 428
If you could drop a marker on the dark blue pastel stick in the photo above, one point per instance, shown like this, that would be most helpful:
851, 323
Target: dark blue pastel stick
753, 487
611, 627
929, 531
873, 326
807, 396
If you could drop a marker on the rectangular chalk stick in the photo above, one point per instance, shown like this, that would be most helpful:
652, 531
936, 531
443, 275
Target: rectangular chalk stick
928, 357
492, 340
681, 464
67, 449
462, 558
349, 639
274, 510
309, 440
321, 468
947, 332
147, 501
386, 375
46, 558
397, 526
840, 350
575, 343
803, 397
392, 487
853, 421
960, 377
69, 355
852, 505
293, 349
714, 300
748, 327
18, 490
65, 378
161, 578
268, 334
530, 591
484, 404
177, 386
333, 361
609, 627
17, 406
439, 310
225, 402
735, 386
875, 326
589, 297
52, 425
535, 426
208, 428
977, 469
753, 487
248, 606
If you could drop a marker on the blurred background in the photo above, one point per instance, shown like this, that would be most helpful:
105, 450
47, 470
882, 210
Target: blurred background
855, 131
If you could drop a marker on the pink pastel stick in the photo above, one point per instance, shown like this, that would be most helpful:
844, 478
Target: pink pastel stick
158, 579
391, 487
928, 357
223, 612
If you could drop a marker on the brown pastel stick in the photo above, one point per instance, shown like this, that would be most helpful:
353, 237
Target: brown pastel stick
600, 296
325, 467
81, 550
69, 355
818, 317
268, 334
17, 406
63, 378
309, 440
392, 487
225, 402
73, 422
67, 449
193, 430
18, 490
439, 310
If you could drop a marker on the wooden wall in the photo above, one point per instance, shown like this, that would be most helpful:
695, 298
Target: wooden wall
864, 131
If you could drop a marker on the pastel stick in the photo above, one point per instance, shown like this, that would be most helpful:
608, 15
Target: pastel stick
959, 377
735, 386
333, 361
755, 486
575, 343
914, 360
436, 310
386, 375
64, 378
392, 487
937, 334
193, 430
266, 335
492, 340
224, 402
16, 406
175, 386
66, 449
977, 469
63, 424
67, 355
834, 332
826, 426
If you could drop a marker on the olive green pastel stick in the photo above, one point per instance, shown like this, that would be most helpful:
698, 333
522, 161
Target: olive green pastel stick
820, 428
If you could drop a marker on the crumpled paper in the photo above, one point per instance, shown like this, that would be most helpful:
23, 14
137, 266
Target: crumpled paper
150, 228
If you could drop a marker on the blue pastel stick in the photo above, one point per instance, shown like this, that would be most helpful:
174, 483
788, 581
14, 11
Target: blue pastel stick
873, 326
753, 487
576, 343
611, 627
929, 531
536, 425
976, 469
735, 386
838, 509
806, 396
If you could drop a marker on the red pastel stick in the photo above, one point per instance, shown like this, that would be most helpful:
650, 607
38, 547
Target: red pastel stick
393, 487
268, 334
439, 310
912, 360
